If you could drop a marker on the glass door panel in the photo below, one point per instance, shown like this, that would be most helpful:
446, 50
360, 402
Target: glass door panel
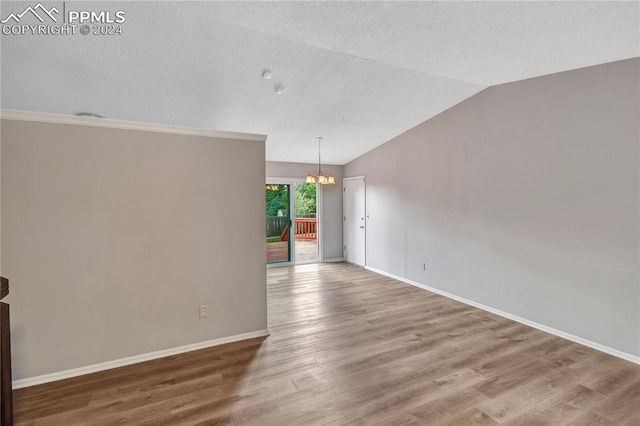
305, 223
278, 206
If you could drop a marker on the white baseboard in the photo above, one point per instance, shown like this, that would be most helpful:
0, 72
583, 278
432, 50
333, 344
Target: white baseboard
597, 346
46, 378
334, 259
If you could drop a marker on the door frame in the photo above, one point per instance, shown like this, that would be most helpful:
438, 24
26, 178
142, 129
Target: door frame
292, 206
363, 178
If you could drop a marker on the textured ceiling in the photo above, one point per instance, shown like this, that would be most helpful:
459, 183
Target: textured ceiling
356, 73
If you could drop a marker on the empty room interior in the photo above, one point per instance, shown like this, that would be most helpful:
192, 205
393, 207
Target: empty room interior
318, 212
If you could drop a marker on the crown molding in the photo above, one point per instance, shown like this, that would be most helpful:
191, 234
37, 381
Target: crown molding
46, 117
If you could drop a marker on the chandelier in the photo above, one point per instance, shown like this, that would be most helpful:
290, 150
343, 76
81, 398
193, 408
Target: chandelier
321, 178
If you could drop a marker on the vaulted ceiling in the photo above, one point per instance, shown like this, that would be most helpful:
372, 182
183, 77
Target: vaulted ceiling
356, 73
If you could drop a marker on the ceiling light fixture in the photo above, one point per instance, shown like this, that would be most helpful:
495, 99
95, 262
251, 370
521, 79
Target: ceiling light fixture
321, 178
279, 88
266, 74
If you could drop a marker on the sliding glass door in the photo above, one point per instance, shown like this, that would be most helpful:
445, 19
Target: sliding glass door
292, 223
278, 211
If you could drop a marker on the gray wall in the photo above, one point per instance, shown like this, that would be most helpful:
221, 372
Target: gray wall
331, 202
113, 238
523, 198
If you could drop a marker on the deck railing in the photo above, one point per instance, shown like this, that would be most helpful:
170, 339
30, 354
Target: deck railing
306, 228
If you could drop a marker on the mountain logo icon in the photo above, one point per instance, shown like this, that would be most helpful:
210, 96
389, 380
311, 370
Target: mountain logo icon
38, 11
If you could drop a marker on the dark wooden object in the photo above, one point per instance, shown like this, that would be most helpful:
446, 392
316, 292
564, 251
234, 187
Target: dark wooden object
6, 396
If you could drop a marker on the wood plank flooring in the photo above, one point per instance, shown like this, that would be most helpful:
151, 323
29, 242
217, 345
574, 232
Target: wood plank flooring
351, 347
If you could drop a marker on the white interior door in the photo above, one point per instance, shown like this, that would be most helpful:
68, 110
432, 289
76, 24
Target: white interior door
354, 223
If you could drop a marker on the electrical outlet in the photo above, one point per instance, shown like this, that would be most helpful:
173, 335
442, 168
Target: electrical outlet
424, 266
204, 311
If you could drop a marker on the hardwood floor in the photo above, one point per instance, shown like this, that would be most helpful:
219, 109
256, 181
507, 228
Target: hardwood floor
352, 347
